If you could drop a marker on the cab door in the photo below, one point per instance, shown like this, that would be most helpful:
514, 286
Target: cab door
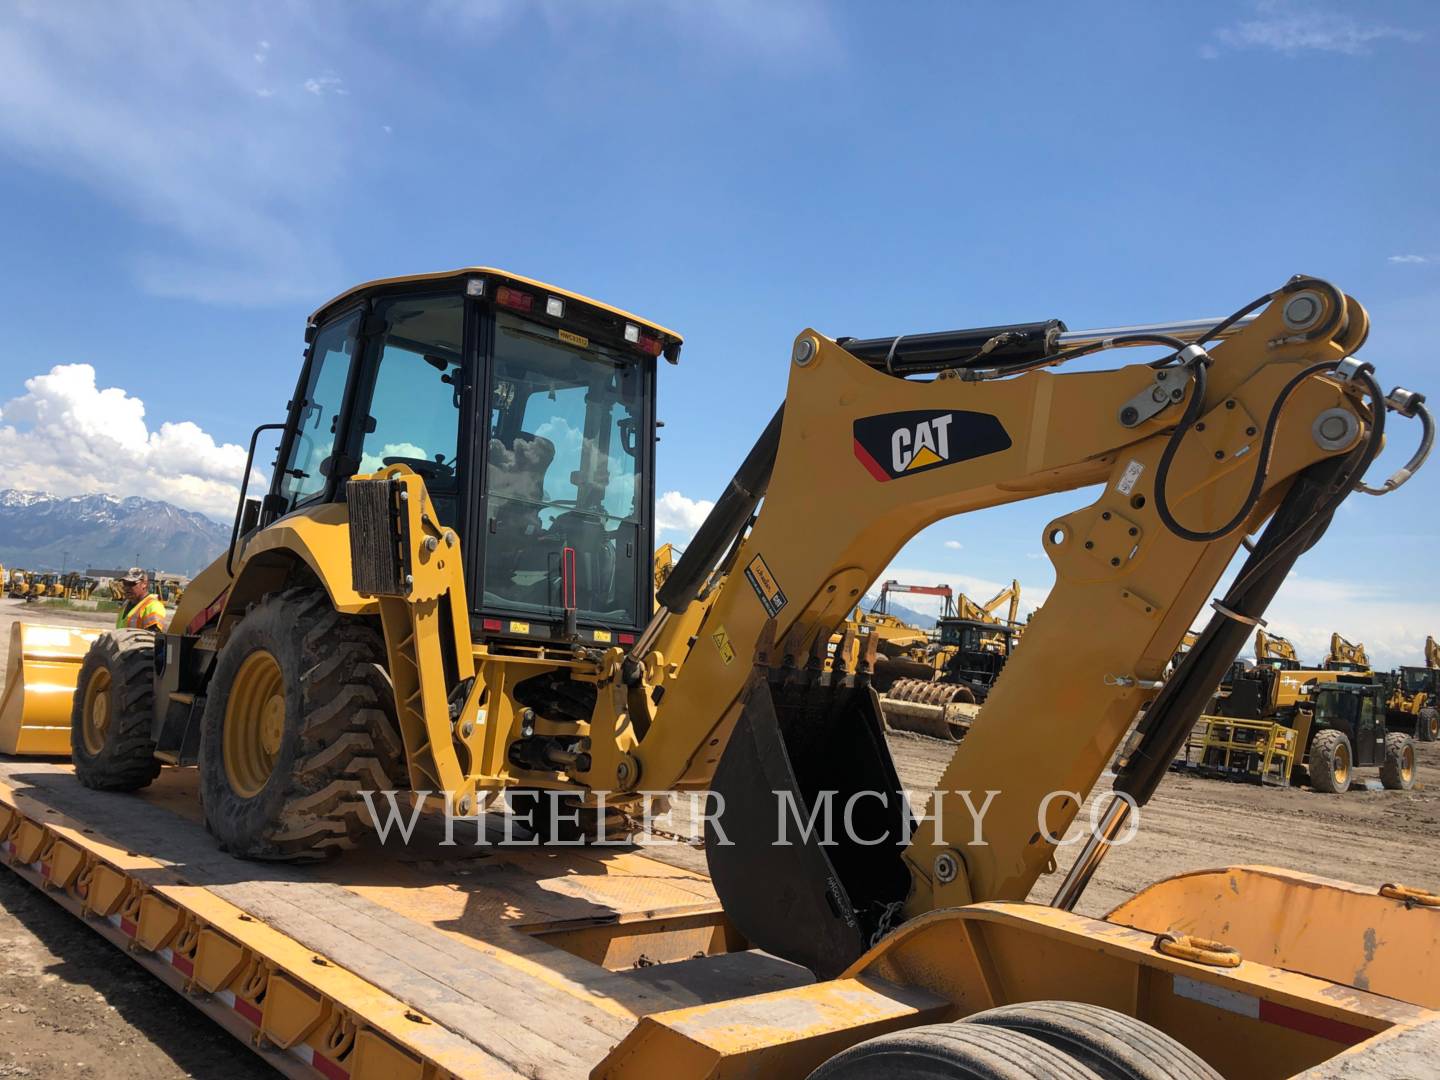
1369, 732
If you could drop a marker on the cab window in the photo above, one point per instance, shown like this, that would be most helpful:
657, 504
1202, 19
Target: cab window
413, 416
317, 423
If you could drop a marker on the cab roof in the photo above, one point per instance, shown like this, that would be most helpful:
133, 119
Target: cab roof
490, 272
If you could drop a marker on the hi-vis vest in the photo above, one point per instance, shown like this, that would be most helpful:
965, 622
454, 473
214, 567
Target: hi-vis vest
148, 614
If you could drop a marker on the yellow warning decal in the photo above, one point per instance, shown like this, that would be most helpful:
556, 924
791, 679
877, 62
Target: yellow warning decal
519, 627
602, 635
573, 339
772, 598
722, 642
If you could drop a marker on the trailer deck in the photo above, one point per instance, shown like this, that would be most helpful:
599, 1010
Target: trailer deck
422, 960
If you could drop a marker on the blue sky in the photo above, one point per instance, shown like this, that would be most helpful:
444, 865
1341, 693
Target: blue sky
180, 185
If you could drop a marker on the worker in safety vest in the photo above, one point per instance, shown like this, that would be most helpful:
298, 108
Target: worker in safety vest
141, 609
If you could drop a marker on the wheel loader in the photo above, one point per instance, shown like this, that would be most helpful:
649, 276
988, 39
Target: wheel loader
1413, 694
445, 589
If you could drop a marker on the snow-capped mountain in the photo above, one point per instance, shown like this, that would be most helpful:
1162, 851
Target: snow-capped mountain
49, 532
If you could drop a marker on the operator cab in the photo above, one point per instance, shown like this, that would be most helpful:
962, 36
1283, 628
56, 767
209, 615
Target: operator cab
529, 411
1415, 680
970, 636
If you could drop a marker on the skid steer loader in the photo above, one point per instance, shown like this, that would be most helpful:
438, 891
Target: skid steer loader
446, 589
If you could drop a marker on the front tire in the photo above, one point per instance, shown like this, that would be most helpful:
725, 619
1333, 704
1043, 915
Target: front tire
1331, 762
1397, 771
113, 711
1427, 724
299, 719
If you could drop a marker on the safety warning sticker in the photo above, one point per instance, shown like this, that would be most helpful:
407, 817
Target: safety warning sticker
722, 642
772, 599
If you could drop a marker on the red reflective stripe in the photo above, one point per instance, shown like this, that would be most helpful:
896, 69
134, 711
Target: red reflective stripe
1335, 1030
871, 465
324, 1065
202, 620
248, 1011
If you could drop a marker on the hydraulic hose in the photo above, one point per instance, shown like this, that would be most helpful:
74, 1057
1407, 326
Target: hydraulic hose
723, 524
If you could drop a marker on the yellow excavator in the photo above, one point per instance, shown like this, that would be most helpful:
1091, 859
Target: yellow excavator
1275, 651
446, 589
1346, 655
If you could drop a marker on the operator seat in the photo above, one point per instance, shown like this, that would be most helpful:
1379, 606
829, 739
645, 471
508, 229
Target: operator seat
516, 484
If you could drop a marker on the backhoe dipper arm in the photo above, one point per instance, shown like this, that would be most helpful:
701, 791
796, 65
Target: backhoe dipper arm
865, 460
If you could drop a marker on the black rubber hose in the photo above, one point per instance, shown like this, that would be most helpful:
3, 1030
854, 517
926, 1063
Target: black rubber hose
1302, 518
724, 522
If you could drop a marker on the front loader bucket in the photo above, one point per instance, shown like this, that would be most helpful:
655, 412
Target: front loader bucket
807, 744
40, 681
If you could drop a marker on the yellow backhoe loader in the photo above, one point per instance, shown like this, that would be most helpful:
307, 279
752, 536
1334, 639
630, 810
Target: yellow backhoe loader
446, 588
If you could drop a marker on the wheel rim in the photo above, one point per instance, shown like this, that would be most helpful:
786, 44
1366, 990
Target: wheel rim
1434, 726
95, 715
1407, 764
1342, 766
254, 724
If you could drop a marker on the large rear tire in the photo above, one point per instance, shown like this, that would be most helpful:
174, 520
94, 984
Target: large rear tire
299, 720
1397, 771
1427, 724
113, 712
1111, 1044
953, 1052
1331, 764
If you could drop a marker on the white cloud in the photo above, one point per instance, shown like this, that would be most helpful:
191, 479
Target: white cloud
164, 112
1410, 259
68, 436
954, 545
1292, 27
320, 85
677, 513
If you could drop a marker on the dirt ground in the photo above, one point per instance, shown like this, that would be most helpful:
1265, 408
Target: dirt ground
70, 1004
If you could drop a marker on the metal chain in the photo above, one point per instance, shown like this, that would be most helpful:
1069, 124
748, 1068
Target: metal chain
887, 920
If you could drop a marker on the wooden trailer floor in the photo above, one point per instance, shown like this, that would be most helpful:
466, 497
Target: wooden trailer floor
537, 960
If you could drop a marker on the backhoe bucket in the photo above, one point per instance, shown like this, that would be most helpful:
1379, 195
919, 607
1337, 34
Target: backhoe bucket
40, 681
788, 867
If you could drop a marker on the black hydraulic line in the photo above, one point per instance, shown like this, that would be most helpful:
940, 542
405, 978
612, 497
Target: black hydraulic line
917, 354
1294, 528
723, 524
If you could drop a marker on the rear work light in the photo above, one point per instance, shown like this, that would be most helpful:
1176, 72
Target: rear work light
514, 298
